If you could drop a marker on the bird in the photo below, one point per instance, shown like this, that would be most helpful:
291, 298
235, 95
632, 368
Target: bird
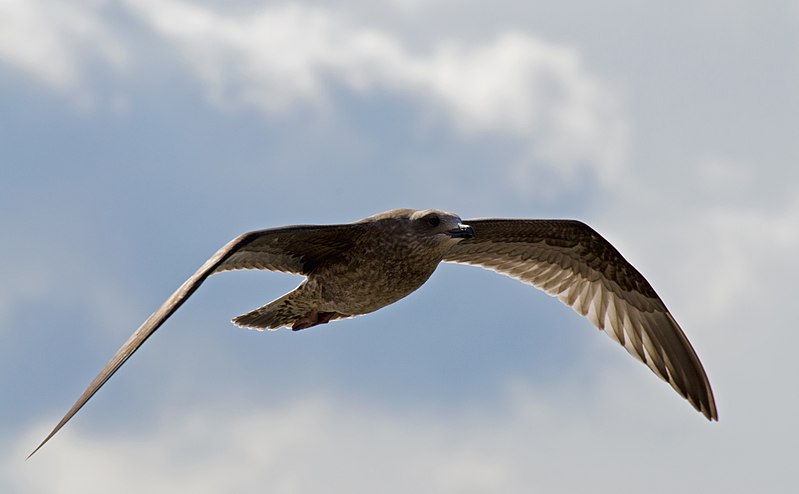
356, 268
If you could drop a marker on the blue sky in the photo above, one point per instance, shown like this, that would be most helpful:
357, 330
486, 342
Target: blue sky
140, 136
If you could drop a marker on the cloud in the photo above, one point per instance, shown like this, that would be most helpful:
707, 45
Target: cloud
281, 57
57, 41
715, 233
724, 175
710, 228
752, 242
336, 445
285, 58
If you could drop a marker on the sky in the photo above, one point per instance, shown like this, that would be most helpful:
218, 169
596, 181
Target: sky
137, 137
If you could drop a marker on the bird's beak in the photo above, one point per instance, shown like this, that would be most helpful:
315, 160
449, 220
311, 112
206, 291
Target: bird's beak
463, 231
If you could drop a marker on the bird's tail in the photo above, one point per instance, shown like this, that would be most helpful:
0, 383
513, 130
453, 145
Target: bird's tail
283, 311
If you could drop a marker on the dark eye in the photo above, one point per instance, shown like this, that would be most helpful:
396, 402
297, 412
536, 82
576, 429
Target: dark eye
433, 221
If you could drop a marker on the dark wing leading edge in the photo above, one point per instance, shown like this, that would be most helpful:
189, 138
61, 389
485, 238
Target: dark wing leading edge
569, 260
293, 249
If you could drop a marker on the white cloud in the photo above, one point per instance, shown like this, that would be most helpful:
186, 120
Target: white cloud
716, 236
724, 175
335, 445
711, 231
55, 41
754, 243
280, 57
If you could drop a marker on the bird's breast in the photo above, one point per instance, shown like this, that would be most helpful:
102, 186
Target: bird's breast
365, 283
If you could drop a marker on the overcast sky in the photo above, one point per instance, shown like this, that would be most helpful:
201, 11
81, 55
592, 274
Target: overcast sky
137, 137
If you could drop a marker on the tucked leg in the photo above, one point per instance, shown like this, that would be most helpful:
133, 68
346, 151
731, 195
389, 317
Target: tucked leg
314, 318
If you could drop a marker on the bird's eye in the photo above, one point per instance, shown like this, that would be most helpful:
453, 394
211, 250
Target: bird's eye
433, 221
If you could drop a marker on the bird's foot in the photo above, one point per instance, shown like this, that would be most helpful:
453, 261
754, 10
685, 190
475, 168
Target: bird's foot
313, 318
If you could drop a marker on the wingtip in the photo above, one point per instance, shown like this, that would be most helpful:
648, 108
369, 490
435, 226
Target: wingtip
708, 409
55, 430
713, 414
52, 433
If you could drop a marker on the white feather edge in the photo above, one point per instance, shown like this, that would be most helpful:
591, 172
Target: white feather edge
599, 301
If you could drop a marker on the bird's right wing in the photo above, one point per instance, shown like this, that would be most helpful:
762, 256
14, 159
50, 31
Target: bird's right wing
293, 249
569, 260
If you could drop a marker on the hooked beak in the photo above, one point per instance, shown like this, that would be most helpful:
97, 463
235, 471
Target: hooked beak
463, 231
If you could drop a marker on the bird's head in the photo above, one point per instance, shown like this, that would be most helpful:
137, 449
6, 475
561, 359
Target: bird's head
432, 224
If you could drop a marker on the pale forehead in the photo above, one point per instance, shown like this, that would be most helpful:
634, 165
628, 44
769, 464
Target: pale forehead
409, 213
425, 212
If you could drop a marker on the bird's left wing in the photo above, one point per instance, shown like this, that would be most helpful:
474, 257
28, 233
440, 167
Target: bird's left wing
569, 260
293, 249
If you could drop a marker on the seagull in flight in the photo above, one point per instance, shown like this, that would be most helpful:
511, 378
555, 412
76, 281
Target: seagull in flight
357, 268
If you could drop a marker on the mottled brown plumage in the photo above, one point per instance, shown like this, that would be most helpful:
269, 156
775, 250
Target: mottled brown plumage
357, 268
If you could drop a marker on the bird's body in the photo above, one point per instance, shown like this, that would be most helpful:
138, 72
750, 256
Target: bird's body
384, 262
358, 268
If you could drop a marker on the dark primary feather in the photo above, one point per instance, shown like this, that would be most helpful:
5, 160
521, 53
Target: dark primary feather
293, 249
569, 260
